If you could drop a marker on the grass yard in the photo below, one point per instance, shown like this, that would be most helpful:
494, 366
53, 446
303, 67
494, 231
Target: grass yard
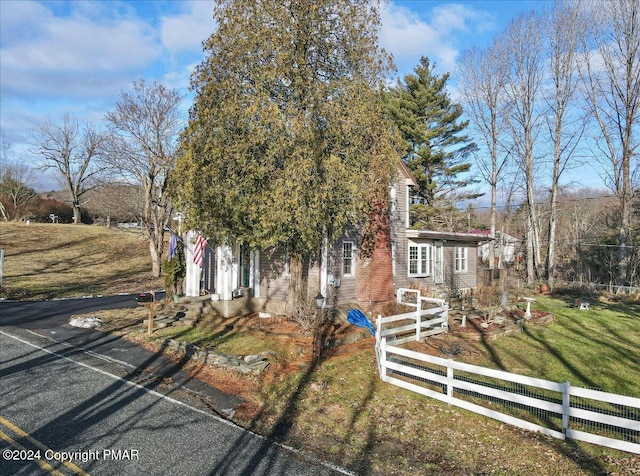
597, 349
45, 261
341, 410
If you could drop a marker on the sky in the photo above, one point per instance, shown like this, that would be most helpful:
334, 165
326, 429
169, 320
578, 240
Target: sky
76, 57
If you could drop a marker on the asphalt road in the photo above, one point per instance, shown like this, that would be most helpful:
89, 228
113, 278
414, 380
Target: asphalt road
81, 396
56, 312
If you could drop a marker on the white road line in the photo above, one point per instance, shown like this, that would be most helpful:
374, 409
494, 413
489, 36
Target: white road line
178, 402
119, 379
90, 352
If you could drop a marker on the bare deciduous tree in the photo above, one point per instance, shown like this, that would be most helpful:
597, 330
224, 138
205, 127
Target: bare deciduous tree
72, 152
523, 43
117, 201
482, 83
563, 29
144, 128
14, 185
611, 75
16, 180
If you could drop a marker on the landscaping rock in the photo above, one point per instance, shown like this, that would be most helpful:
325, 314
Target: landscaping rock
252, 358
87, 322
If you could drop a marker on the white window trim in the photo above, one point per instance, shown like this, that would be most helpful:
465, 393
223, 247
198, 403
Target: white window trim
286, 272
407, 199
421, 273
353, 260
464, 259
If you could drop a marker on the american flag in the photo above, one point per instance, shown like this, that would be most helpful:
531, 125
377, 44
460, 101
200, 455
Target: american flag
198, 250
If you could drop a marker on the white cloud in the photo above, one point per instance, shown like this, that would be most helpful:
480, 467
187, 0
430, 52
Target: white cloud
408, 35
187, 31
44, 53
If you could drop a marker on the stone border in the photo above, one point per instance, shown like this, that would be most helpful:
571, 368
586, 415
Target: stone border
249, 364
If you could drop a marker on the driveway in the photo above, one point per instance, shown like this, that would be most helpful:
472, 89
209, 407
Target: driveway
53, 313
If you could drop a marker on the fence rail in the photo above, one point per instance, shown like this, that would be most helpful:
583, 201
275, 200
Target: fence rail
413, 325
552, 408
612, 288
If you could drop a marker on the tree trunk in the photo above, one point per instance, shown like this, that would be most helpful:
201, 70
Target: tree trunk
297, 291
530, 260
156, 268
551, 248
76, 213
492, 231
533, 238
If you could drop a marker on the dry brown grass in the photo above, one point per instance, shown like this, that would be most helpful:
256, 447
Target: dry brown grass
44, 261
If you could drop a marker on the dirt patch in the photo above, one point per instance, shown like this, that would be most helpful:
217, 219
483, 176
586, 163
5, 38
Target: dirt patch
482, 329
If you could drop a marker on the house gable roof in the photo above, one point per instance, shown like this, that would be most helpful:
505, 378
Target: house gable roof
411, 180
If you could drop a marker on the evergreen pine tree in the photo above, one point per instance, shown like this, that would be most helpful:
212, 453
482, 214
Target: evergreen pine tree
436, 146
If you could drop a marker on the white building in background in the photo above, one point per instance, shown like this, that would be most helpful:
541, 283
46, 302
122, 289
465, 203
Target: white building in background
505, 242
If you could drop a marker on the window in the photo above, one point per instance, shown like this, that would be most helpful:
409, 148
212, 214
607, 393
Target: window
420, 258
461, 259
347, 258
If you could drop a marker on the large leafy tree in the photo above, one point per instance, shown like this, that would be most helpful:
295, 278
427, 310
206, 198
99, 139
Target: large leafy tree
287, 141
436, 146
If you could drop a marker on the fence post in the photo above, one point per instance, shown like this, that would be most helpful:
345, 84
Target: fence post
566, 407
378, 343
449, 379
418, 317
383, 359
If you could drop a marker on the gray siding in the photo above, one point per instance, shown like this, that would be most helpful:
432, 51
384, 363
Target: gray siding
275, 279
469, 279
274, 282
399, 226
346, 292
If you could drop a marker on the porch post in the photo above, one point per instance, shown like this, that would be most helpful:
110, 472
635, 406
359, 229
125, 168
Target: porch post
255, 273
224, 272
324, 268
192, 278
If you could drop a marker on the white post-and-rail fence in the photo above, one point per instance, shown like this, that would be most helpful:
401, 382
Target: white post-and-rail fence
552, 408
414, 327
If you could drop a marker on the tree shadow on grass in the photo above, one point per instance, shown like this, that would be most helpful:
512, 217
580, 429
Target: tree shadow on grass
280, 432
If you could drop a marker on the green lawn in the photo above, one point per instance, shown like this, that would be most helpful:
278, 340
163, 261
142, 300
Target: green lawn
599, 348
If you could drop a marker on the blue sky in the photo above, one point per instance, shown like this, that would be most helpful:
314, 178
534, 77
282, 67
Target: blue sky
76, 57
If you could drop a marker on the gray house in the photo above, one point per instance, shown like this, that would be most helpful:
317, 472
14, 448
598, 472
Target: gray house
242, 280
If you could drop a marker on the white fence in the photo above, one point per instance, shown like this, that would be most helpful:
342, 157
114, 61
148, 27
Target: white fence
555, 409
612, 288
415, 326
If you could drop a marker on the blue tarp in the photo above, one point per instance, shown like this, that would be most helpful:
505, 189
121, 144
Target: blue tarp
357, 318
